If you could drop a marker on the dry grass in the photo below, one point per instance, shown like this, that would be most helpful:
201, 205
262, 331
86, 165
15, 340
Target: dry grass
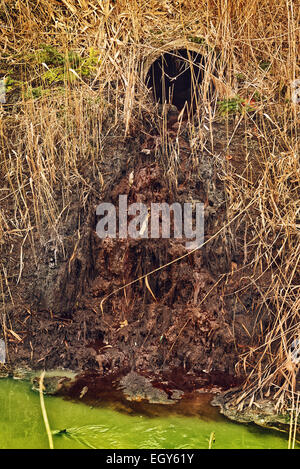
48, 143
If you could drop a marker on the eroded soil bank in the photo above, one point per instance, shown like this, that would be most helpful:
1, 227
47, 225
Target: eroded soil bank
185, 327
194, 321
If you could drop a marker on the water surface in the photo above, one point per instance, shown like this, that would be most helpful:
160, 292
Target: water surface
76, 425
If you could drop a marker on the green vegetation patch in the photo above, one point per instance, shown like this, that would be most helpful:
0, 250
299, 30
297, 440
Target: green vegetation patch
236, 105
55, 69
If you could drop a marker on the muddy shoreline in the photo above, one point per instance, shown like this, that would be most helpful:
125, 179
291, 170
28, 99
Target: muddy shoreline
144, 393
172, 393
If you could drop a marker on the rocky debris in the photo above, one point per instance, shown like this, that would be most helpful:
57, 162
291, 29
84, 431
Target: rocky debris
138, 388
4, 371
55, 382
262, 412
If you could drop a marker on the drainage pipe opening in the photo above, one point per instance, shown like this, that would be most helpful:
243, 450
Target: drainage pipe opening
177, 77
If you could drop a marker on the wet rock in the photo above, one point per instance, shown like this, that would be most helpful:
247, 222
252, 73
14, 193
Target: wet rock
23, 373
4, 371
138, 388
262, 412
18, 372
55, 382
52, 384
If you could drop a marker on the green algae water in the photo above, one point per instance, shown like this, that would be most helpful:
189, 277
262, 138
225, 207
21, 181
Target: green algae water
78, 426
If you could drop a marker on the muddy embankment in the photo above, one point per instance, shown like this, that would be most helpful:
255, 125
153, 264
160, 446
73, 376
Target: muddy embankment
184, 318
166, 337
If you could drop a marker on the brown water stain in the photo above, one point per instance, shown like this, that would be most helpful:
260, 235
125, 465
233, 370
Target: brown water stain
188, 395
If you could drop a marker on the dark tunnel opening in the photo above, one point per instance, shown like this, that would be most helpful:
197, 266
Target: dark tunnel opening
176, 78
